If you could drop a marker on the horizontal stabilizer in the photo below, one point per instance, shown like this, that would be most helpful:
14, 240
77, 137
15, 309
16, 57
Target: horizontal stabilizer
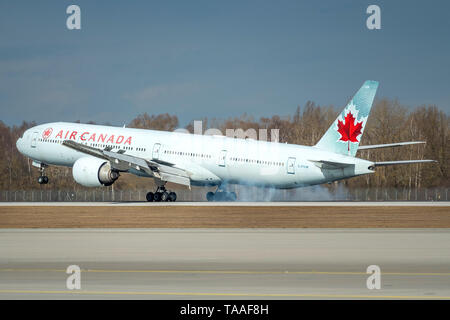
323, 164
389, 163
389, 145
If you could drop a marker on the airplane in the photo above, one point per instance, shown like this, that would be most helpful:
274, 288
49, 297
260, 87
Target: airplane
99, 154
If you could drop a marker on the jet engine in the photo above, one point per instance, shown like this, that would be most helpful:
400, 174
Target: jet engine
94, 172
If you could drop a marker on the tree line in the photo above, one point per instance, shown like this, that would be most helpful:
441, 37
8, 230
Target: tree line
389, 122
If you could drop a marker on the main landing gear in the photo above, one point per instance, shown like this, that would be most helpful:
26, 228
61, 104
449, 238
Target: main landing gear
43, 179
221, 195
161, 195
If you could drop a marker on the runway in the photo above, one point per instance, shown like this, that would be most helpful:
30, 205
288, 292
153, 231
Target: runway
234, 204
225, 263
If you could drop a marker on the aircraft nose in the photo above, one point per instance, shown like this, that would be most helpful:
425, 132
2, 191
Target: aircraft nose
19, 145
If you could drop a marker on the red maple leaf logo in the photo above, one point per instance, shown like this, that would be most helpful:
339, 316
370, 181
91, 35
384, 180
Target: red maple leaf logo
47, 132
348, 129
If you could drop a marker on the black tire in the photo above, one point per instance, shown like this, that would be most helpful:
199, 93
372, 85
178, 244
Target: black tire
45, 179
150, 196
41, 180
157, 197
210, 196
173, 196
165, 196
220, 196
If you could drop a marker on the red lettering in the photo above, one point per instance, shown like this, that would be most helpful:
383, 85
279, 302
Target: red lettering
101, 137
92, 137
128, 141
82, 136
120, 139
73, 134
111, 139
65, 137
59, 134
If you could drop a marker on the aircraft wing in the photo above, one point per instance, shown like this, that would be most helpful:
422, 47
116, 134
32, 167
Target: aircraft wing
389, 163
122, 162
388, 145
324, 164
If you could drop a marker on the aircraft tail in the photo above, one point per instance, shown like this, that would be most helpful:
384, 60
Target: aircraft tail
346, 131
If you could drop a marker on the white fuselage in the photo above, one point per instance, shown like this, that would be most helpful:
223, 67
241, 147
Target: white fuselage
210, 160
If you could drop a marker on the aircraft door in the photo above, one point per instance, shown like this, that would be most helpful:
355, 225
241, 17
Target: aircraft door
34, 139
291, 166
156, 148
222, 157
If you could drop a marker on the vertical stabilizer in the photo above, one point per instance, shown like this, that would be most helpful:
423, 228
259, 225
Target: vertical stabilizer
346, 131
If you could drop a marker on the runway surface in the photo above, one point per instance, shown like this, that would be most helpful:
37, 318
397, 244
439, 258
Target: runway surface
225, 263
234, 204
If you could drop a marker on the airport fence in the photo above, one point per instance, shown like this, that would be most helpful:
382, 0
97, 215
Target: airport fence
317, 193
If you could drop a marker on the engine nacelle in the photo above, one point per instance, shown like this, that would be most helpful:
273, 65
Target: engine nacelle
93, 172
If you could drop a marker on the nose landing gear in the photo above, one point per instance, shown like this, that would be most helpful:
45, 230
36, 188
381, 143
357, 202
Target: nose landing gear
43, 179
161, 195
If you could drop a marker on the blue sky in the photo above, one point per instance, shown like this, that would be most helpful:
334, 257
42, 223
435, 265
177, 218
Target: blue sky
217, 59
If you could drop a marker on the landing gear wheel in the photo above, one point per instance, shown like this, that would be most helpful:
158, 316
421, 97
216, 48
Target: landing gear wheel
221, 196
161, 194
164, 196
172, 196
150, 196
210, 196
43, 180
157, 197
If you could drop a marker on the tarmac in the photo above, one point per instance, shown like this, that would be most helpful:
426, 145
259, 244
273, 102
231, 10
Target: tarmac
235, 204
225, 263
